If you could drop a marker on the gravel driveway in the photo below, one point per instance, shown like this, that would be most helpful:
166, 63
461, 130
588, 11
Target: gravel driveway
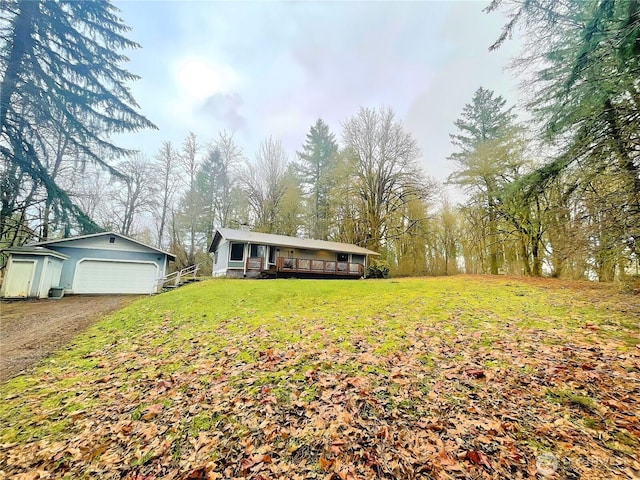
30, 330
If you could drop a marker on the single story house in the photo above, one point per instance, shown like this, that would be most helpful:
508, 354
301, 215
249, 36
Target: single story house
100, 263
241, 253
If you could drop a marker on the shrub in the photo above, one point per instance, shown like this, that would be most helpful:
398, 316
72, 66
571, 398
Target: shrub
378, 270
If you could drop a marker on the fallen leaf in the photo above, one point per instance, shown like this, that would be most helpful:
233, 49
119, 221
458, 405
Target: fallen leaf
152, 411
477, 458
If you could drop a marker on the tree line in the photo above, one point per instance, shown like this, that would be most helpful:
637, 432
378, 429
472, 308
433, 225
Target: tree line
556, 195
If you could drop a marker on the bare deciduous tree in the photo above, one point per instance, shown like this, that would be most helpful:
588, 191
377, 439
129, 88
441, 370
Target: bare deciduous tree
264, 183
190, 163
385, 171
133, 194
231, 157
167, 179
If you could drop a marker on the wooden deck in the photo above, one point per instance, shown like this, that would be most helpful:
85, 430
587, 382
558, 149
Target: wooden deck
305, 266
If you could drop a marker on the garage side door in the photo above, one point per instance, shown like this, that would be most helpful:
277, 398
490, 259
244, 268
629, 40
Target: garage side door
98, 276
19, 278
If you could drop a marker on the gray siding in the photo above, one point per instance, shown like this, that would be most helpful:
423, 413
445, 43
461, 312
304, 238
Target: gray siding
77, 254
221, 265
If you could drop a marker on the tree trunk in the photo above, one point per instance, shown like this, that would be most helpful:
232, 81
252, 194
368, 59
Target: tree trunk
525, 256
537, 261
45, 219
493, 239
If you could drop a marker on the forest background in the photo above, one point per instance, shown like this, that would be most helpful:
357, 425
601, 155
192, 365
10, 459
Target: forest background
556, 194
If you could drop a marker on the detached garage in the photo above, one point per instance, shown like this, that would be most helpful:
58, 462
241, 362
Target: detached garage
102, 263
31, 272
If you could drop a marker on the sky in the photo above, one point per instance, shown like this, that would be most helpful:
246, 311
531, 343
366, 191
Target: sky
262, 69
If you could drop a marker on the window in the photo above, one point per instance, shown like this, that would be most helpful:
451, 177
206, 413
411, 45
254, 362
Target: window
215, 258
357, 259
237, 252
258, 251
342, 257
112, 239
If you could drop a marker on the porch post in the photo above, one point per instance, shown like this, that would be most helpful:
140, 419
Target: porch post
247, 250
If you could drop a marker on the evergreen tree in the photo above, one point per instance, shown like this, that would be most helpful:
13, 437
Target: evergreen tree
584, 65
61, 66
484, 157
315, 161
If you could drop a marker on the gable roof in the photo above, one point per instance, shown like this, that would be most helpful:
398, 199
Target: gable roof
92, 235
284, 241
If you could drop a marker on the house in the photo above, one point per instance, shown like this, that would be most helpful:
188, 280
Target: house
101, 263
240, 253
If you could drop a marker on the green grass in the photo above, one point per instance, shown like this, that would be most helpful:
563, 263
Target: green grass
571, 398
229, 359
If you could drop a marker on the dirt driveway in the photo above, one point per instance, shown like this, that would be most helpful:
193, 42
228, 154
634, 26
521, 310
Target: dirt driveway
30, 330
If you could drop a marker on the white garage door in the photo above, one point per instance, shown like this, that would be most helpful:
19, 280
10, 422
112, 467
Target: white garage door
99, 276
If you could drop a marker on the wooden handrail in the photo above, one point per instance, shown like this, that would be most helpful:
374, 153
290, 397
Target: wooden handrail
179, 274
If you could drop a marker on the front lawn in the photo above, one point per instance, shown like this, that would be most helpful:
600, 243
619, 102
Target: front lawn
457, 377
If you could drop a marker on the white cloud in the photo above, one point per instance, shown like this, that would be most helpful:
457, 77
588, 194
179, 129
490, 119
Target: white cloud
198, 77
273, 68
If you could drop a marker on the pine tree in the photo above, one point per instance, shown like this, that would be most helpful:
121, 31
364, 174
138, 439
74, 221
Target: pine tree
61, 68
484, 143
315, 160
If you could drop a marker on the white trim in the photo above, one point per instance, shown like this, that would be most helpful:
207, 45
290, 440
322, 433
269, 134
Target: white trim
244, 251
33, 274
271, 248
43, 273
37, 253
111, 260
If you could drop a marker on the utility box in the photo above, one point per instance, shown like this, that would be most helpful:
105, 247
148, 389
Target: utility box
56, 292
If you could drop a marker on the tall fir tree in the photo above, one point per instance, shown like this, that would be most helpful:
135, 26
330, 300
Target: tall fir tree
209, 183
61, 66
314, 163
486, 130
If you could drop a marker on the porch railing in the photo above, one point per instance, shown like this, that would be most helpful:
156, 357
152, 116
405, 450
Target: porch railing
327, 267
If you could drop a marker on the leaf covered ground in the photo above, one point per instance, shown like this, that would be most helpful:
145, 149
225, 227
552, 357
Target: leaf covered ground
442, 378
